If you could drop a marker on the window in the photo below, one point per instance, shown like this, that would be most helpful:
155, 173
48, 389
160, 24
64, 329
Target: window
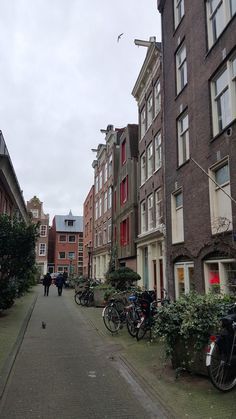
109, 227
62, 255
158, 156
100, 207
181, 68
150, 212
105, 202
124, 190
105, 172
177, 217
62, 238
100, 180
96, 210
220, 203
142, 122
223, 91
158, 207
96, 184
70, 223
184, 278
109, 201
157, 97
178, 11
149, 110
149, 160
143, 168
143, 217
100, 243
71, 255
220, 276
110, 166
123, 152
124, 232
35, 213
183, 139
219, 13
71, 239
42, 249
43, 231
104, 233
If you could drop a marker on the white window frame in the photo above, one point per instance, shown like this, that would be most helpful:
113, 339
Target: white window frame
143, 168
43, 230
158, 151
105, 202
157, 97
100, 180
143, 122
177, 217
223, 96
109, 230
105, 172
105, 233
35, 213
183, 138
71, 241
71, 255
109, 200
143, 217
178, 11
100, 207
218, 18
158, 207
150, 212
186, 282
149, 160
220, 203
181, 68
96, 210
96, 184
110, 165
59, 256
223, 286
149, 110
42, 249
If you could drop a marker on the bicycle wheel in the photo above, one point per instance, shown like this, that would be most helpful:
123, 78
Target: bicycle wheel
111, 319
132, 319
84, 298
221, 373
141, 329
77, 297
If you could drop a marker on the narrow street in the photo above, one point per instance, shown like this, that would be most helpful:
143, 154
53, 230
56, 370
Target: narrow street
66, 371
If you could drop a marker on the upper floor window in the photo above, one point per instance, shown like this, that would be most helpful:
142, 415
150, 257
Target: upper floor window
42, 249
177, 217
96, 184
183, 139
123, 152
100, 207
150, 212
109, 230
124, 232
110, 166
105, 202
181, 68
178, 11
150, 160
143, 217
223, 95
100, 179
109, 201
105, 233
62, 238
220, 203
149, 110
219, 13
143, 168
35, 213
158, 207
62, 255
142, 122
158, 157
96, 210
43, 231
71, 238
157, 97
124, 190
105, 172
70, 223
71, 255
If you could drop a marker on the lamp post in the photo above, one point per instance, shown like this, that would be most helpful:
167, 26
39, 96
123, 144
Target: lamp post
70, 270
89, 248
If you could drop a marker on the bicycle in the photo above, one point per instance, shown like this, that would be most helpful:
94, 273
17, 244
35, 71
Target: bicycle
221, 354
114, 315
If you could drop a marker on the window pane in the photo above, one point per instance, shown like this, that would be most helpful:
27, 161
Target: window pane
179, 200
180, 280
222, 175
221, 82
232, 7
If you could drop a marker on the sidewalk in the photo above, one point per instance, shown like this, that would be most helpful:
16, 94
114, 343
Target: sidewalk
188, 396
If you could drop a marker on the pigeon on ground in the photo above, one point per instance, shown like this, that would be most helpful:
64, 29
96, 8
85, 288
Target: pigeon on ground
43, 325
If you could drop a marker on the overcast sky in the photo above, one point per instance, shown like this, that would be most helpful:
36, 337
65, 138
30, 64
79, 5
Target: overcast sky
63, 77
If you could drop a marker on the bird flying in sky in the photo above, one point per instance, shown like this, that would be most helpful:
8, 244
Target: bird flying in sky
119, 36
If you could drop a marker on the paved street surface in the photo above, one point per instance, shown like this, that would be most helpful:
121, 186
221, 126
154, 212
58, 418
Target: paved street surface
67, 370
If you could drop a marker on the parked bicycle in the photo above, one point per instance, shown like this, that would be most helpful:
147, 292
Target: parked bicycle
114, 314
221, 355
85, 295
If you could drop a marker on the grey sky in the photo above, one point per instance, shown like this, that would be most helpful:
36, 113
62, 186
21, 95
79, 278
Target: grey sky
63, 76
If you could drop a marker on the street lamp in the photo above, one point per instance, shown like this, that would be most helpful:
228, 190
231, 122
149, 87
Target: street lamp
70, 269
89, 248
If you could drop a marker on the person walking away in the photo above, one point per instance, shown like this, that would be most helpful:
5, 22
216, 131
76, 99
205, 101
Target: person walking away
60, 281
47, 280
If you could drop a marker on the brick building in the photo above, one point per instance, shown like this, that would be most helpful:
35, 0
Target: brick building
125, 214
199, 68
35, 206
150, 241
88, 217
66, 240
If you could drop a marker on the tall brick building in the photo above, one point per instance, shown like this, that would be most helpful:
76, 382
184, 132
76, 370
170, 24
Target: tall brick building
199, 68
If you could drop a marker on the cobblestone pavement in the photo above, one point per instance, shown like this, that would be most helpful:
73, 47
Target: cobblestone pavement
67, 371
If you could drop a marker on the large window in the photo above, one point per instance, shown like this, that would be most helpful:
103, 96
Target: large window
220, 276
123, 152
149, 110
143, 217
158, 154
219, 13
223, 91
96, 210
105, 172
183, 139
150, 160
109, 200
177, 217
178, 11
43, 230
71, 238
142, 122
62, 238
105, 202
220, 203
42, 249
143, 168
100, 207
100, 179
181, 68
124, 232
150, 212
35, 213
184, 282
124, 191
96, 184
158, 207
110, 166
157, 97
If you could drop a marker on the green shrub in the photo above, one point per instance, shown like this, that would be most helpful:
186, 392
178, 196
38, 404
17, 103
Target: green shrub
122, 278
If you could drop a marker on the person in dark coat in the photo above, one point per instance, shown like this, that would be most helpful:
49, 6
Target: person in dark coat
47, 280
60, 281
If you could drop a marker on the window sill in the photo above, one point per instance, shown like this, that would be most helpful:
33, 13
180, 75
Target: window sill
181, 91
219, 37
183, 164
224, 131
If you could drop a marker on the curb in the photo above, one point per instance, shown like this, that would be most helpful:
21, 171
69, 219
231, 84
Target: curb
6, 370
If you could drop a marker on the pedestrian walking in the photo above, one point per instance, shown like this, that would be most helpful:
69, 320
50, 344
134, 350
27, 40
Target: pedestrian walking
60, 281
47, 280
